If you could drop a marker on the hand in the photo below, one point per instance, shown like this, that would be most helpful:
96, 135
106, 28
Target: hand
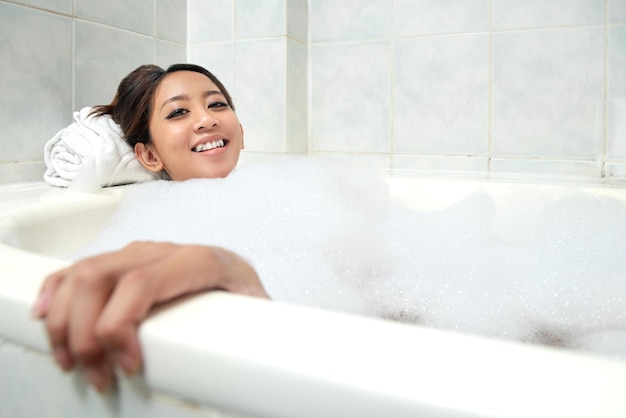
93, 308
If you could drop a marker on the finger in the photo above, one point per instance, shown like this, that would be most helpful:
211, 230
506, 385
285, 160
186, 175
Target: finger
99, 375
136, 293
76, 306
134, 255
56, 322
175, 275
186, 270
93, 281
197, 268
69, 313
51, 283
46, 294
91, 292
233, 273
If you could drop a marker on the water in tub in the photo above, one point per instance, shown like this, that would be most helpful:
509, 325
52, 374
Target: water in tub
328, 236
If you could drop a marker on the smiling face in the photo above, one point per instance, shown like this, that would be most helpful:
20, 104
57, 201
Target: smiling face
194, 132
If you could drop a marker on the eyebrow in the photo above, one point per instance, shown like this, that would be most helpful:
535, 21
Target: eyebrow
185, 97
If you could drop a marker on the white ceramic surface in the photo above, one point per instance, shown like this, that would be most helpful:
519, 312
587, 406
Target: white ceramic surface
220, 352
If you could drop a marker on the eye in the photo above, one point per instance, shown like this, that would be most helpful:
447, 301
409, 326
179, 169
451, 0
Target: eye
175, 113
217, 105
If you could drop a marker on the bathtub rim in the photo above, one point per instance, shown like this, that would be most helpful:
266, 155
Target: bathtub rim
584, 375
232, 364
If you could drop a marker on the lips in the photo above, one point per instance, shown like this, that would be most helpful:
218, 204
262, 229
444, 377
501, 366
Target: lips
206, 146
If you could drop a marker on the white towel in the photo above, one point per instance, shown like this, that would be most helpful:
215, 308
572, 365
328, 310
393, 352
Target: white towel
91, 152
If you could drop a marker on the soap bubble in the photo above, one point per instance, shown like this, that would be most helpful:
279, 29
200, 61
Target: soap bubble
319, 234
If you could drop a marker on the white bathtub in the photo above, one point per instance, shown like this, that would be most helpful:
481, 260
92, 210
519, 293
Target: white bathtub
219, 354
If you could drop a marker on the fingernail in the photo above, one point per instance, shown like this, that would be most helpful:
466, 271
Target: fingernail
41, 305
98, 377
125, 362
63, 357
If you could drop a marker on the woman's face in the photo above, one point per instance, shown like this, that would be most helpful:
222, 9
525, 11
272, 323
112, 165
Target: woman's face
195, 133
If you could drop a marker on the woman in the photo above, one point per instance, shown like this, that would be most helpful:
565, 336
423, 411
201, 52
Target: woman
181, 121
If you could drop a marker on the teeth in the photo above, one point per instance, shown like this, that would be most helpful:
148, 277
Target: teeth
209, 145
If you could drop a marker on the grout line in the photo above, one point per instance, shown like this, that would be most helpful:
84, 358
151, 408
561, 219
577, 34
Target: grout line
288, 107
233, 39
392, 81
490, 91
234, 6
285, 18
154, 32
73, 59
117, 28
605, 93
39, 8
22, 160
309, 83
188, 43
490, 30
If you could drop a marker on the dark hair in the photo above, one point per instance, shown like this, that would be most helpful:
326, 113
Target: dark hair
131, 107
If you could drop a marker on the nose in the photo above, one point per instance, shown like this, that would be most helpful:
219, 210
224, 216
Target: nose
205, 120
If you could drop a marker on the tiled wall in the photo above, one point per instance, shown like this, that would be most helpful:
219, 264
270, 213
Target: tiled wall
478, 87
61, 55
258, 49
463, 87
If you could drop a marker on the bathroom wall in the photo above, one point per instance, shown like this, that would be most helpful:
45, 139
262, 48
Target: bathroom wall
472, 87
259, 50
60, 55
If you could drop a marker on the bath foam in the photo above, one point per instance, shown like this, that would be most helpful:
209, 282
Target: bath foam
329, 236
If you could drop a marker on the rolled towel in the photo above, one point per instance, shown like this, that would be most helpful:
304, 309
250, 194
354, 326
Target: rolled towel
92, 152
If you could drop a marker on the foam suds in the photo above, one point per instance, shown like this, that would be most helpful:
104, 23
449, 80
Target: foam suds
331, 237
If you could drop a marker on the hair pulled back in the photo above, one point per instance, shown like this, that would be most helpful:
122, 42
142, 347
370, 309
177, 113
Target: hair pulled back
131, 107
